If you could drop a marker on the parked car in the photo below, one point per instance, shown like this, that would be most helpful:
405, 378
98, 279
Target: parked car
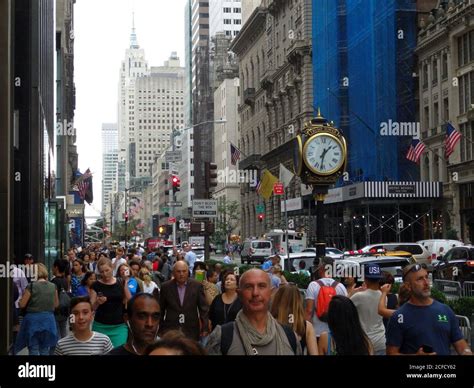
419, 253
457, 264
256, 250
352, 266
434, 246
331, 252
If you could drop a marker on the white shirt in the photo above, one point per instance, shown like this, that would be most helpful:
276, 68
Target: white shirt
367, 304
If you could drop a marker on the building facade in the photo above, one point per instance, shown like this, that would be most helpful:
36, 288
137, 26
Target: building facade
274, 52
445, 58
225, 16
159, 109
109, 164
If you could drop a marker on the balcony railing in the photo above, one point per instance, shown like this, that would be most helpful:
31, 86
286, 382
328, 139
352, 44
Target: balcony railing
249, 96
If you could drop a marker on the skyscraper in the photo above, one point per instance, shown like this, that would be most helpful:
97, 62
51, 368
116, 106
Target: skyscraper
109, 163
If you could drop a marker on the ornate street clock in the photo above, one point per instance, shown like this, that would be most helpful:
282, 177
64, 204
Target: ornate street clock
320, 153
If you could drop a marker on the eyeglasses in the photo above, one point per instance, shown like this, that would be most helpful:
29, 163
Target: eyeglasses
414, 268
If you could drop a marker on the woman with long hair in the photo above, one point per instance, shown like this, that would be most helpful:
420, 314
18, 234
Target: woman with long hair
225, 306
287, 308
346, 336
78, 271
108, 298
87, 281
125, 272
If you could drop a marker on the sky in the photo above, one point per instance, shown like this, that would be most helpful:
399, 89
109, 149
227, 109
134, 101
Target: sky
101, 35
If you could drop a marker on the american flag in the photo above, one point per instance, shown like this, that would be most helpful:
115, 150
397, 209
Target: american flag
235, 154
452, 138
416, 149
84, 184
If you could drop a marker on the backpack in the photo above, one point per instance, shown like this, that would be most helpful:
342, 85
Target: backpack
227, 335
324, 297
62, 311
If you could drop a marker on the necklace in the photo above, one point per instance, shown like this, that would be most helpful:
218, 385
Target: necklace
227, 308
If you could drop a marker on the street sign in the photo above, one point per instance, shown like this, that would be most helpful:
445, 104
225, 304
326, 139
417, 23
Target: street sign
260, 209
175, 204
205, 208
165, 209
171, 220
173, 156
278, 189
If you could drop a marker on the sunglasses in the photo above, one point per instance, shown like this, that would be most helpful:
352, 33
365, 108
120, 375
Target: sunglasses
415, 268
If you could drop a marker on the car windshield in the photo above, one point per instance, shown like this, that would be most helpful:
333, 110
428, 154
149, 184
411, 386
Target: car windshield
261, 245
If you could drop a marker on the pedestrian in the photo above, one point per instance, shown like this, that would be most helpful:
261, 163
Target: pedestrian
345, 335
367, 304
255, 331
209, 284
174, 343
59, 280
109, 298
142, 320
183, 304
124, 272
83, 341
190, 256
149, 286
423, 326
78, 271
225, 306
28, 262
312, 295
85, 289
227, 258
287, 309
38, 330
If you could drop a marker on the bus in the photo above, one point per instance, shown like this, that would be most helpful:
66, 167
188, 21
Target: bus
296, 241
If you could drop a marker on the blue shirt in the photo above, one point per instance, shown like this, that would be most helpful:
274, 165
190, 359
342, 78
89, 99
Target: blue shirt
227, 260
132, 286
411, 327
191, 259
267, 265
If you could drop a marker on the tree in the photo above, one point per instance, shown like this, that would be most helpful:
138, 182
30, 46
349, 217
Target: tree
228, 217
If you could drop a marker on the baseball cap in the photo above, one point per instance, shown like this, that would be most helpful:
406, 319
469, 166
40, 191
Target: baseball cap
29, 256
413, 268
372, 271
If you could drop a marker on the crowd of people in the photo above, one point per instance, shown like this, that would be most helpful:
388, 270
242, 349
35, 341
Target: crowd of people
117, 302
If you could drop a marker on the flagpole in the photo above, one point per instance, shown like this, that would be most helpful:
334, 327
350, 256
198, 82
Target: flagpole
286, 227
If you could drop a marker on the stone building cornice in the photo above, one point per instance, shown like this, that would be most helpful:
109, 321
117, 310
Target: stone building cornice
253, 28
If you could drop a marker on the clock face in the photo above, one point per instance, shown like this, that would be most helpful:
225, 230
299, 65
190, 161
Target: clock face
323, 154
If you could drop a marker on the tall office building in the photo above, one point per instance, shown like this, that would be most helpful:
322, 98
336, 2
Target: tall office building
133, 66
109, 163
158, 110
225, 16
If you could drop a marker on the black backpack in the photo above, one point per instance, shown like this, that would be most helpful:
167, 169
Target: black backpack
227, 335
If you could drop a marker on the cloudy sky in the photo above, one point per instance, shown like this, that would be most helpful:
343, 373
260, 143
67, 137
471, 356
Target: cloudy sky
102, 34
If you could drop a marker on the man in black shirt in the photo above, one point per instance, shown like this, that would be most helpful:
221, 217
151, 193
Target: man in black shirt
142, 319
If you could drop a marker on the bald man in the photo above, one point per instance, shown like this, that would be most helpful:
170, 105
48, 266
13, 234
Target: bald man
255, 331
183, 304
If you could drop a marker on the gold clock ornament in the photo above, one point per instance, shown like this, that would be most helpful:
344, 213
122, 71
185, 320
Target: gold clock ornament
320, 153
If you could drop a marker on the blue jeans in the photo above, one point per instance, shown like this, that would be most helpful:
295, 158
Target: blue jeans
36, 350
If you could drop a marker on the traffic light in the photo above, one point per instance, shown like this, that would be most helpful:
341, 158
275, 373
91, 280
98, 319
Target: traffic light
162, 229
210, 175
126, 216
176, 183
260, 217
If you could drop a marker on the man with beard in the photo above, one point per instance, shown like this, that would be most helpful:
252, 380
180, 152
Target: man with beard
142, 319
423, 326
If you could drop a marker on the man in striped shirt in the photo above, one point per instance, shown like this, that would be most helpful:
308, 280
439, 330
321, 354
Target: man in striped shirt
82, 341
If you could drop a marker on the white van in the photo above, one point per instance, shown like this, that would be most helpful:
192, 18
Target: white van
434, 246
256, 250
